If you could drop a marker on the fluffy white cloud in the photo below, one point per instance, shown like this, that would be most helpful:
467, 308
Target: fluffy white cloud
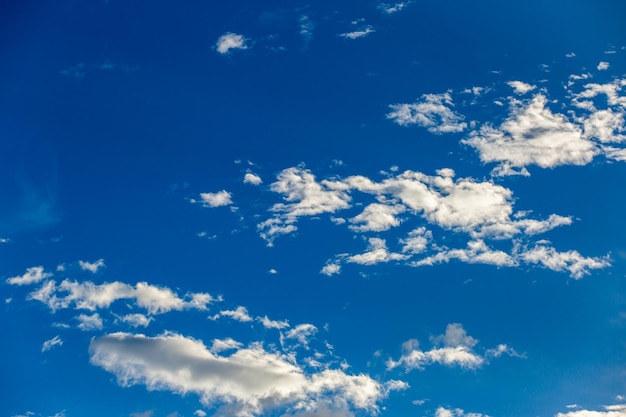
302, 333
477, 252
89, 296
136, 320
273, 324
92, 267
571, 261
219, 199
32, 276
377, 252
252, 179
230, 41
610, 90
238, 314
417, 241
521, 87
247, 382
358, 33
454, 348
90, 322
331, 268
433, 111
603, 66
618, 410
377, 218
532, 135
605, 126
49, 344
456, 412
199, 413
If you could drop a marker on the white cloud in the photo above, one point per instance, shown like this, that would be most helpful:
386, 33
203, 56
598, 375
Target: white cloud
377, 218
221, 345
570, 55
49, 344
4, 240
32, 276
456, 412
477, 252
433, 111
618, 410
358, 33
605, 126
136, 320
252, 179
248, 382
454, 348
571, 261
417, 241
393, 8
238, 314
377, 252
88, 323
307, 26
273, 324
89, 296
219, 199
603, 66
147, 413
610, 90
92, 267
521, 87
302, 333
532, 135
331, 268
199, 413
230, 41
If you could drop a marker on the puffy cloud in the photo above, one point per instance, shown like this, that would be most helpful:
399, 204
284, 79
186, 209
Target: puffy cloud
605, 126
221, 345
88, 323
521, 87
417, 241
571, 261
273, 324
358, 33
252, 179
532, 135
302, 333
136, 320
477, 252
377, 252
610, 90
456, 412
230, 41
331, 268
433, 111
238, 314
92, 267
199, 413
219, 199
603, 66
32, 276
454, 348
618, 410
89, 296
49, 344
377, 218
247, 382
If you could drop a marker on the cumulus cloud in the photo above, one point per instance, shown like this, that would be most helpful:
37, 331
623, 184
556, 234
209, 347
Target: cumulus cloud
90, 322
618, 410
229, 41
247, 382
219, 199
358, 33
453, 348
136, 320
433, 111
603, 66
92, 267
521, 87
377, 218
272, 324
331, 268
571, 261
377, 252
49, 344
32, 275
89, 296
477, 252
238, 314
532, 135
252, 179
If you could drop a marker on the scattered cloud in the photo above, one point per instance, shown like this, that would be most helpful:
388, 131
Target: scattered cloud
252, 179
456, 412
454, 348
603, 66
91, 267
358, 33
388, 8
32, 276
570, 261
307, 26
136, 320
618, 410
570, 55
199, 413
90, 322
219, 199
238, 314
249, 381
521, 87
229, 41
433, 111
273, 324
49, 344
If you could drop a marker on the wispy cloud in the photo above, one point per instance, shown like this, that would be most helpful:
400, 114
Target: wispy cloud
51, 343
433, 111
361, 33
230, 41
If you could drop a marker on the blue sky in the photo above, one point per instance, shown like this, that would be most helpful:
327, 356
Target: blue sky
313, 209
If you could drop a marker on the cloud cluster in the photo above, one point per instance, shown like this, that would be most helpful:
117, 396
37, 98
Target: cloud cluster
433, 111
247, 382
453, 348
